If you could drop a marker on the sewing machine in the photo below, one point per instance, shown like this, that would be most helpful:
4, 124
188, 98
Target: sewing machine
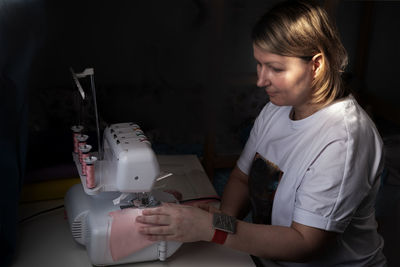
124, 178
120, 175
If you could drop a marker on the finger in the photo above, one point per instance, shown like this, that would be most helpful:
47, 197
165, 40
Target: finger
155, 230
165, 208
154, 219
161, 210
169, 205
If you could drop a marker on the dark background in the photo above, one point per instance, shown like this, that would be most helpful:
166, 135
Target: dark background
183, 69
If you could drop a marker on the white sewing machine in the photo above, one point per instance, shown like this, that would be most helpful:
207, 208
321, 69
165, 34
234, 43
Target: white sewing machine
122, 177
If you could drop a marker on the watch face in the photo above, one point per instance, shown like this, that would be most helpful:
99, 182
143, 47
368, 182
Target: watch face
224, 223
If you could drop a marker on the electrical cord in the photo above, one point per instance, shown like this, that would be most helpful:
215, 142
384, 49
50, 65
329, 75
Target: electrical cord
40, 213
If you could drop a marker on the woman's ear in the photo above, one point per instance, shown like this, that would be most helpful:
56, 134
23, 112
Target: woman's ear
317, 61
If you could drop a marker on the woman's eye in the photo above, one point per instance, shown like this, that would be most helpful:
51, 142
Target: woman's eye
277, 70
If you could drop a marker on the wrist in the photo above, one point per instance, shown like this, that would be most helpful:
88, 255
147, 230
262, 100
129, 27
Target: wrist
219, 237
210, 229
223, 225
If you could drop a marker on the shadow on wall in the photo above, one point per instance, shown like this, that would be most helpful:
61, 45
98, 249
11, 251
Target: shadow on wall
137, 50
20, 36
154, 65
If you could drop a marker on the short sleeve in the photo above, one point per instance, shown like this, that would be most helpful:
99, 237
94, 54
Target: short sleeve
246, 158
333, 187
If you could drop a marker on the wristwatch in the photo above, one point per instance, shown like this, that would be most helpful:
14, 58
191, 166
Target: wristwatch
223, 224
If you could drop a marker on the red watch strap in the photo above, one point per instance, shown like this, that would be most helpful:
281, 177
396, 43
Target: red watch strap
219, 237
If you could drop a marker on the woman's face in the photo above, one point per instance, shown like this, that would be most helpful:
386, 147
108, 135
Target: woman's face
287, 80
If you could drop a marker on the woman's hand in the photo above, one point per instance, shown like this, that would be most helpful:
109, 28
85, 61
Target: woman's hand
176, 223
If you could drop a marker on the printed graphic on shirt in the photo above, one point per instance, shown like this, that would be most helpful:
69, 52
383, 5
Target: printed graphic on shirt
263, 181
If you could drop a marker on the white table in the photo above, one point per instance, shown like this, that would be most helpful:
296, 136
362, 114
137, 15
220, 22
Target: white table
46, 240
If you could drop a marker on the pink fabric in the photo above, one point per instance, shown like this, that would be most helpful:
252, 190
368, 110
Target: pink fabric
125, 238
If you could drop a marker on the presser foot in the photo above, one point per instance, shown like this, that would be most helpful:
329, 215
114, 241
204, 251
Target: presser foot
141, 201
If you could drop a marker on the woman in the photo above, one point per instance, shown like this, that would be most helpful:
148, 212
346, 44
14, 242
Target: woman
310, 169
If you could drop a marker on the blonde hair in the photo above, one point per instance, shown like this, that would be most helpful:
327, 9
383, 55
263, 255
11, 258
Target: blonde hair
303, 29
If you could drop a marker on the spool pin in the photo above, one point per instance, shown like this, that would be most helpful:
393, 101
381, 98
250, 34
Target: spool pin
76, 130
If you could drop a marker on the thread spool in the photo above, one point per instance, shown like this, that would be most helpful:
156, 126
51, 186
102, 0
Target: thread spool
139, 132
84, 152
76, 130
90, 172
81, 142
145, 141
135, 126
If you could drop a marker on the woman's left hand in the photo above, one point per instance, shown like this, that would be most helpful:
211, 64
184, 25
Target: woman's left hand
177, 223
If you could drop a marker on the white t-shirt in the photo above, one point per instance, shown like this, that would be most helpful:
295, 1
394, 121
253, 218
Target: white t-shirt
331, 163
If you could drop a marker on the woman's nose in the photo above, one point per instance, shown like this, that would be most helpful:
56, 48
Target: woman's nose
262, 78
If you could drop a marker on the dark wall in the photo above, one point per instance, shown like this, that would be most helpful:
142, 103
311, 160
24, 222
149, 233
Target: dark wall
384, 54
162, 64
20, 36
178, 68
